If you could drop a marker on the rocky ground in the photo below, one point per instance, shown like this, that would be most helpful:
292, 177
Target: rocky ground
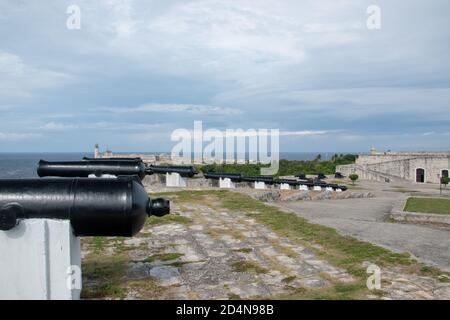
208, 252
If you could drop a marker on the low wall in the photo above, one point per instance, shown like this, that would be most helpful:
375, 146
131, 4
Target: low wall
297, 195
398, 214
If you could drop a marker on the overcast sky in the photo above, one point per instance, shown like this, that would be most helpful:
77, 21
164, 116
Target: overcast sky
137, 70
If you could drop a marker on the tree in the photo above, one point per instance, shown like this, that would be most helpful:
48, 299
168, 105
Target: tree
353, 177
445, 181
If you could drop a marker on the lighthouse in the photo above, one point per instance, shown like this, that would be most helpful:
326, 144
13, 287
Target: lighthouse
96, 151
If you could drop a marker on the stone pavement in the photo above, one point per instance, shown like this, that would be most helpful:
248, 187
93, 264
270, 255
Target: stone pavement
225, 255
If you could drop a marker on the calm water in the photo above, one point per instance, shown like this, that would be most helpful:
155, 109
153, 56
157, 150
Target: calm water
23, 165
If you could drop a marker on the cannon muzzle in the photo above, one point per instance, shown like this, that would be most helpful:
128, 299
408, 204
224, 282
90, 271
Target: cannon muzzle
95, 207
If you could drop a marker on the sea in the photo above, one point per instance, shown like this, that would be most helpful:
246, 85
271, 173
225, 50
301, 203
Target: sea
24, 165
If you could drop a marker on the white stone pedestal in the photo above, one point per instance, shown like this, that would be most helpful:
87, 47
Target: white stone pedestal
260, 185
226, 183
175, 180
40, 259
285, 186
329, 189
317, 188
303, 188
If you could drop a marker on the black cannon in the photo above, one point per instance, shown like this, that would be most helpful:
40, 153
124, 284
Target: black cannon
265, 179
86, 168
336, 187
184, 171
338, 175
321, 176
95, 207
235, 177
99, 167
290, 182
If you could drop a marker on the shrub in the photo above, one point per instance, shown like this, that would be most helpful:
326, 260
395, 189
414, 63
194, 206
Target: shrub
353, 177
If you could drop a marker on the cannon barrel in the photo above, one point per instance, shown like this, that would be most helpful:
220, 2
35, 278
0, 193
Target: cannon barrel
95, 207
268, 180
85, 168
184, 171
290, 182
235, 177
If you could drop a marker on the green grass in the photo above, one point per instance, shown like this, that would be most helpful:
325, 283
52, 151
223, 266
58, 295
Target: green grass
170, 218
248, 266
164, 257
428, 205
105, 274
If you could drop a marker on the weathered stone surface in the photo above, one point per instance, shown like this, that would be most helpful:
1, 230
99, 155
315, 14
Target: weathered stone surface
223, 255
167, 275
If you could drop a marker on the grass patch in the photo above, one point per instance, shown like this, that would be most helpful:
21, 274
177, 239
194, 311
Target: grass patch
428, 205
243, 250
289, 279
218, 232
170, 218
104, 276
163, 257
248, 266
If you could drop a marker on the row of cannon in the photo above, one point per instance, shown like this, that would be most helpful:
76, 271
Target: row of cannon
105, 196
135, 166
267, 180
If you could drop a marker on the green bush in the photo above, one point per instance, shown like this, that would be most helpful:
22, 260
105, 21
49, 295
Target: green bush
445, 180
353, 177
287, 167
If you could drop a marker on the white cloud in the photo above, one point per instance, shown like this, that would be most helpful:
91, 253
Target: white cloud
305, 133
173, 108
12, 136
58, 126
19, 80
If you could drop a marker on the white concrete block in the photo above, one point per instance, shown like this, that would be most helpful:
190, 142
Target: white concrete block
317, 188
108, 176
329, 189
338, 190
303, 188
260, 185
226, 183
285, 186
175, 180
37, 258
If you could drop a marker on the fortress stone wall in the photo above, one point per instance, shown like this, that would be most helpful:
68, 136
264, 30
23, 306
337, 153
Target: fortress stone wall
420, 167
